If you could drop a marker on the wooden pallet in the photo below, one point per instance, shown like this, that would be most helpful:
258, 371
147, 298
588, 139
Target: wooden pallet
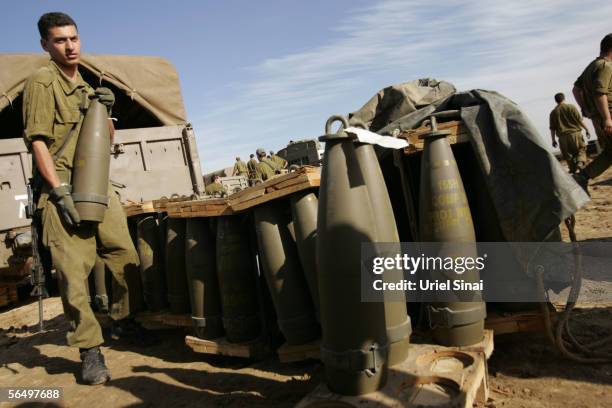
291, 354
255, 349
281, 186
147, 207
153, 320
8, 294
304, 178
516, 322
207, 207
430, 376
458, 134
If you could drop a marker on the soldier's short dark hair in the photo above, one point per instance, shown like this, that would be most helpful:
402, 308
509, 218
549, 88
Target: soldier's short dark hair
606, 44
252, 155
53, 19
559, 97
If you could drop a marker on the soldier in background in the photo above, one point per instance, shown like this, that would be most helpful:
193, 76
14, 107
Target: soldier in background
252, 166
566, 123
240, 168
593, 92
282, 163
215, 187
266, 168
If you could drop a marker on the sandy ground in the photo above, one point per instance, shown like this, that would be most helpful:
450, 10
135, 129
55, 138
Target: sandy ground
524, 370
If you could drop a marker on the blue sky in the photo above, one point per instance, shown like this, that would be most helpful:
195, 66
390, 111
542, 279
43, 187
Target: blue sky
261, 73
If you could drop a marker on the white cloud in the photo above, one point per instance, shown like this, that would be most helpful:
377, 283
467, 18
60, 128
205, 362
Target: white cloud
527, 50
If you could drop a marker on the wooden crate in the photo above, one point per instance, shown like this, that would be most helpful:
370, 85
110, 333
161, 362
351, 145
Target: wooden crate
255, 349
431, 376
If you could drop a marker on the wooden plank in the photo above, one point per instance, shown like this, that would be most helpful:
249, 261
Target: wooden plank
277, 187
516, 322
431, 376
291, 354
459, 134
167, 319
271, 196
256, 349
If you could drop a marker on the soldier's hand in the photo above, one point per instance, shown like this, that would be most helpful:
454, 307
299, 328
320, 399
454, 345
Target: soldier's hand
608, 126
64, 202
588, 134
106, 97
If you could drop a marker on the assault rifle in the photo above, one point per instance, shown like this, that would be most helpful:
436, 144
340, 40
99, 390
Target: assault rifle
37, 275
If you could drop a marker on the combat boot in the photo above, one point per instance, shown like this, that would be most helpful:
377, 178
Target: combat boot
93, 369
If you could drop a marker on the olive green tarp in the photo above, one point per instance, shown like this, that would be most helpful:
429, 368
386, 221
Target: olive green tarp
152, 82
505, 143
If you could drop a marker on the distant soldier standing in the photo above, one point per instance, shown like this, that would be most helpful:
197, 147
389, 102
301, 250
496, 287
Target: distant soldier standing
240, 168
282, 163
266, 168
566, 123
593, 92
252, 166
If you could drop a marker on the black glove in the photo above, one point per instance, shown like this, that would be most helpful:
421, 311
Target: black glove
64, 202
106, 97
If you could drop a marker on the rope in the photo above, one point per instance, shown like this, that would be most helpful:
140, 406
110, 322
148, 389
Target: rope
555, 335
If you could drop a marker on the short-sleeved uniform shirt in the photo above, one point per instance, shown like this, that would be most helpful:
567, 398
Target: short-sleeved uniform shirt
265, 169
595, 80
215, 188
252, 166
240, 168
565, 119
51, 108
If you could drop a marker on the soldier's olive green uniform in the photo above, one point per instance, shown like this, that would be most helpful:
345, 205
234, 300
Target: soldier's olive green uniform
596, 80
50, 110
240, 168
566, 121
282, 163
265, 169
215, 188
252, 168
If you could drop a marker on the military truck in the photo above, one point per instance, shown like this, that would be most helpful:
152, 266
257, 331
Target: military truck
154, 154
302, 152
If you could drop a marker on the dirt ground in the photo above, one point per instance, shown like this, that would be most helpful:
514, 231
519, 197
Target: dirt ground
524, 370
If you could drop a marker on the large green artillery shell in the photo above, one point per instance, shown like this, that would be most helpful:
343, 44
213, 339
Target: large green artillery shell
202, 279
444, 216
91, 164
152, 263
304, 207
398, 323
176, 276
101, 297
288, 287
236, 280
354, 344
